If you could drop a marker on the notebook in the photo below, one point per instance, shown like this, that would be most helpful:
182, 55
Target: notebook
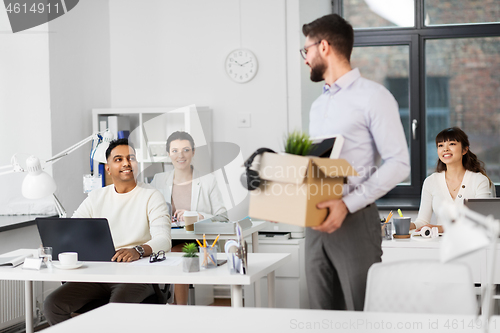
90, 238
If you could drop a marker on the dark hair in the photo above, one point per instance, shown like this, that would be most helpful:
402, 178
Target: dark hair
469, 160
179, 136
115, 143
335, 30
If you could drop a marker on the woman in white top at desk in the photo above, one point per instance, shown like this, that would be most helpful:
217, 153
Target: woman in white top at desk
459, 175
186, 190
183, 188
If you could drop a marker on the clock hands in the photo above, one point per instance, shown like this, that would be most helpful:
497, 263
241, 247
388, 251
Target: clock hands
241, 65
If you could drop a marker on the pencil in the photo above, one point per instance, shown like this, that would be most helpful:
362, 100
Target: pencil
204, 241
389, 217
199, 243
216, 239
205, 254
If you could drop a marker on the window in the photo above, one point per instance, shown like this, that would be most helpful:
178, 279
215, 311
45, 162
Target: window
388, 65
466, 95
439, 12
442, 66
380, 14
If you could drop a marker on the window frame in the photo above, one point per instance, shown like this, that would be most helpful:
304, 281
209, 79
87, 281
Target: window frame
416, 38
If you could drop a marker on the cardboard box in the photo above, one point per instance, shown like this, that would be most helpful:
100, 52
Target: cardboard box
292, 186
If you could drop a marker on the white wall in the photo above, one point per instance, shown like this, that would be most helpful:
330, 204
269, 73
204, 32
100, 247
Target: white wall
79, 81
172, 53
309, 11
24, 101
131, 53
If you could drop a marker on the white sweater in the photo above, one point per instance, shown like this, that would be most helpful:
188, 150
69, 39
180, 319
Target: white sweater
435, 192
135, 218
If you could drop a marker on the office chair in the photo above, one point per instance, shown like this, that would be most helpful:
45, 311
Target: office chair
420, 286
161, 296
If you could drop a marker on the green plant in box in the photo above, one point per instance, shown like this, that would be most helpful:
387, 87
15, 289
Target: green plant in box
298, 143
190, 250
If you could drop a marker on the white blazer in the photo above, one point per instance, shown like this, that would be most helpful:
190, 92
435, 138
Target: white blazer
435, 192
206, 198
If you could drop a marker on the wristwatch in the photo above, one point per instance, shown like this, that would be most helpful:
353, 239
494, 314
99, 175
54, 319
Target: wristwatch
139, 250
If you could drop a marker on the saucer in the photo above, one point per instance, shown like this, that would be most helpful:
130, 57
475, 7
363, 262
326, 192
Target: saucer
401, 236
75, 266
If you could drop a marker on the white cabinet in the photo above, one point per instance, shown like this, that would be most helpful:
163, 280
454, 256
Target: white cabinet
150, 127
291, 286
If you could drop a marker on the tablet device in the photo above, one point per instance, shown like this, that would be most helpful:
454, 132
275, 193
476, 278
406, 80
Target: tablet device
90, 238
327, 146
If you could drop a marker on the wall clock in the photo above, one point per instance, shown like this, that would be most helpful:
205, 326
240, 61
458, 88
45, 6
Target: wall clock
241, 65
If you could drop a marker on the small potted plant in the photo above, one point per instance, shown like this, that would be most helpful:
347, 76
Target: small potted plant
191, 261
298, 143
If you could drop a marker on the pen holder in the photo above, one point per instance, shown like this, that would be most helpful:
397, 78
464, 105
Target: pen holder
236, 257
233, 262
208, 257
386, 230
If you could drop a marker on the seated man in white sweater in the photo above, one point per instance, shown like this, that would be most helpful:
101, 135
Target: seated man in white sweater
140, 225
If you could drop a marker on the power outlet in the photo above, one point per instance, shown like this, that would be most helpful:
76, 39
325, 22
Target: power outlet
244, 120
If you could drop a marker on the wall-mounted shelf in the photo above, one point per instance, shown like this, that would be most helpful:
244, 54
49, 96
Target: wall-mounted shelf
149, 127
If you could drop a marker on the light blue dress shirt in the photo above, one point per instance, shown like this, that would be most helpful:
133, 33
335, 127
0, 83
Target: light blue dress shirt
367, 115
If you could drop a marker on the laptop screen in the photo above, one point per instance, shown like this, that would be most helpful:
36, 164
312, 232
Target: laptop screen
90, 238
487, 206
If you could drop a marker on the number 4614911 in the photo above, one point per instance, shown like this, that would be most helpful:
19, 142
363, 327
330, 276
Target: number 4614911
36, 8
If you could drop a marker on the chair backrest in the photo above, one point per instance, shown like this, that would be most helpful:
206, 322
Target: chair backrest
420, 286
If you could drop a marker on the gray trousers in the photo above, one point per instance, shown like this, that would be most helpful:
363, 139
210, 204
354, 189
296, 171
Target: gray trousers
71, 296
337, 264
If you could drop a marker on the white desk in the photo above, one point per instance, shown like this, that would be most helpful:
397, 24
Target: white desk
9, 222
259, 265
254, 231
160, 318
417, 248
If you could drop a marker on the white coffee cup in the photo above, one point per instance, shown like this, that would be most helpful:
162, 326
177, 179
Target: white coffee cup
68, 258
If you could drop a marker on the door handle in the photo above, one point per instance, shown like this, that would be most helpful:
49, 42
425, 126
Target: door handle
414, 125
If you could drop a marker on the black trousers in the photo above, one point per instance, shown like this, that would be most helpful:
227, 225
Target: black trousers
71, 296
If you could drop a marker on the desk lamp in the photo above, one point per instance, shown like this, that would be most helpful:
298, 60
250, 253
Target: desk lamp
466, 232
38, 183
99, 153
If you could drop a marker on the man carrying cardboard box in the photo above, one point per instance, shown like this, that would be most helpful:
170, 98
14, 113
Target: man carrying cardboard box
340, 251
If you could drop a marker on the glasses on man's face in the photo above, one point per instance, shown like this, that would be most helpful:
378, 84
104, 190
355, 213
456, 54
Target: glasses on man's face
303, 52
155, 257
177, 152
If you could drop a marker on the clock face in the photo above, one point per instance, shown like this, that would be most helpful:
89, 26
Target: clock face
241, 65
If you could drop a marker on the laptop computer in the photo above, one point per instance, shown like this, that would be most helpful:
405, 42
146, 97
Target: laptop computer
90, 238
327, 146
486, 206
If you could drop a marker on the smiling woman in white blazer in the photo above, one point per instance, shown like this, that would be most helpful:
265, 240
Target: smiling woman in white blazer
185, 190
206, 198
